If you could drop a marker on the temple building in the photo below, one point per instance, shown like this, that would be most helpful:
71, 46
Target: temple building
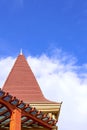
22, 103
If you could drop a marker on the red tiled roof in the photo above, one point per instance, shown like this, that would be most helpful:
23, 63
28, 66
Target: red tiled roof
22, 83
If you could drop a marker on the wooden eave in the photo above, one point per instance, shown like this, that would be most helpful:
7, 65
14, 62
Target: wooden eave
30, 115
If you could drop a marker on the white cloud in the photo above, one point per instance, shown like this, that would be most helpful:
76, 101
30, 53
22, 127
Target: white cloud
60, 81
5, 67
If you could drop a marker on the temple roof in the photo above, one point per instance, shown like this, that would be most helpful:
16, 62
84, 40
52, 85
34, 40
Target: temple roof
22, 83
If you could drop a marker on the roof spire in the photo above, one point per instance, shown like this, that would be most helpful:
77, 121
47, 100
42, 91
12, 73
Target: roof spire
24, 86
21, 52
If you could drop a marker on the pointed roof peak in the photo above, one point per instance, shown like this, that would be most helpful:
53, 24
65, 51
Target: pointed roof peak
22, 83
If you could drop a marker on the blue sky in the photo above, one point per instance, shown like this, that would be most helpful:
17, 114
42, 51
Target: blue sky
53, 37
39, 26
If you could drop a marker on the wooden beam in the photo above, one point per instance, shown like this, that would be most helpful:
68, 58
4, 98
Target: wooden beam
15, 122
